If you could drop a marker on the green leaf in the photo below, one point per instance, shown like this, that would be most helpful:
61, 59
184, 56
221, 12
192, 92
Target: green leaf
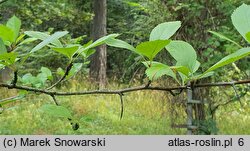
196, 67
182, 69
47, 72
75, 68
230, 58
101, 41
241, 20
57, 111
164, 31
7, 35
28, 40
224, 37
2, 47
38, 81
49, 40
98, 42
151, 48
41, 79
89, 52
68, 51
157, 70
26, 79
42, 36
184, 78
19, 38
248, 36
183, 53
201, 76
120, 44
8, 58
14, 24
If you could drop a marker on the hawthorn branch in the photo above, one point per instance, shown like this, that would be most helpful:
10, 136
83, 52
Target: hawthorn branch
121, 91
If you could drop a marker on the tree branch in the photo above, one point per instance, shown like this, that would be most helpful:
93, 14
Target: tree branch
121, 91
122, 105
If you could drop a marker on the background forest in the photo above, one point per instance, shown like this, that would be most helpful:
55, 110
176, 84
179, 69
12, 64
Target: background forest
146, 112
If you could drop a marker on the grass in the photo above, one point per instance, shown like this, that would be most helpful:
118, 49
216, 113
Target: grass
146, 113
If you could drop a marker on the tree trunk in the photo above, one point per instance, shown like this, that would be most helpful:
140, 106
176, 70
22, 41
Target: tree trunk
98, 64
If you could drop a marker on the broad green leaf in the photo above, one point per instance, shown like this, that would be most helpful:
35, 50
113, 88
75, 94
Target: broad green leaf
38, 81
230, 58
164, 31
26, 79
184, 78
47, 72
224, 37
7, 35
49, 40
8, 58
98, 42
151, 48
2, 47
57, 111
42, 36
182, 69
196, 67
14, 24
241, 20
120, 44
183, 53
68, 51
75, 68
201, 76
89, 52
41, 79
157, 70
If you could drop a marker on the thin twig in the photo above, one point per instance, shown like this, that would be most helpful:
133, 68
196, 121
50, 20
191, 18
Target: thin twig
237, 95
223, 83
54, 99
68, 68
122, 105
